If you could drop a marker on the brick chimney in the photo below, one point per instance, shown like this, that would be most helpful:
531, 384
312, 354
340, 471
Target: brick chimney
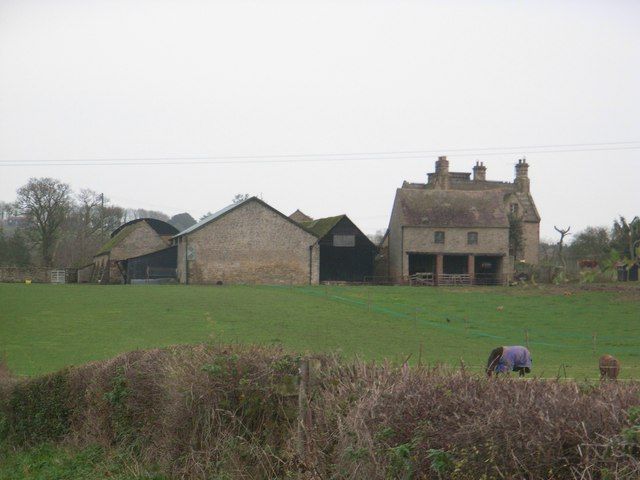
442, 173
522, 175
479, 172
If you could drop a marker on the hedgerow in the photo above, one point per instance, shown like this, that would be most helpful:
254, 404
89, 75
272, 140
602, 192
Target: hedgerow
237, 412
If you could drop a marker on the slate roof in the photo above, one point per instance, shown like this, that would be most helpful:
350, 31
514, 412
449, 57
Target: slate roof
211, 218
451, 208
299, 216
322, 226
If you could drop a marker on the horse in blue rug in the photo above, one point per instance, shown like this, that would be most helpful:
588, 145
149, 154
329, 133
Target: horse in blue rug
506, 359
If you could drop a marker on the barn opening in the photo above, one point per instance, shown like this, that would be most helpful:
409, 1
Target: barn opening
455, 265
156, 267
422, 263
487, 269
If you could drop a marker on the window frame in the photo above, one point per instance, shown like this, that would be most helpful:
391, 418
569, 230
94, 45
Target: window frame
471, 235
436, 237
349, 244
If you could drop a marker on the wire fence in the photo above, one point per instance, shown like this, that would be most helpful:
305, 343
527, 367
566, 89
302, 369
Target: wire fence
591, 343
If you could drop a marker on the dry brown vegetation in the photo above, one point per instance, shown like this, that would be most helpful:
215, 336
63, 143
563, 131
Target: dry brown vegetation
233, 412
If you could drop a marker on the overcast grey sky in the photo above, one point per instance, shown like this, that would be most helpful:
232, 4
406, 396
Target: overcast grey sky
83, 80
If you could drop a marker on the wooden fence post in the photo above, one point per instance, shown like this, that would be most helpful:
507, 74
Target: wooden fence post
304, 412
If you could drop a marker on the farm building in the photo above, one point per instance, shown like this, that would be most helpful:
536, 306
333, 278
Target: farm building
346, 254
252, 242
455, 229
154, 267
299, 216
247, 242
132, 239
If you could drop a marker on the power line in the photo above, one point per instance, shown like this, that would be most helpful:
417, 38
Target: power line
322, 157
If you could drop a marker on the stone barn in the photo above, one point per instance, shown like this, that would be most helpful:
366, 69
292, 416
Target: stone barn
346, 254
132, 239
248, 242
454, 229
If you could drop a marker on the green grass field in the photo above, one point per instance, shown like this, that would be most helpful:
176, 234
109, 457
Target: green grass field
46, 327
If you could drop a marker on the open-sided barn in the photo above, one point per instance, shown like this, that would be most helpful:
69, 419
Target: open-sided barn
132, 239
151, 267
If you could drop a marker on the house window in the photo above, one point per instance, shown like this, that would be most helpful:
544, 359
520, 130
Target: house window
513, 208
438, 237
472, 238
344, 240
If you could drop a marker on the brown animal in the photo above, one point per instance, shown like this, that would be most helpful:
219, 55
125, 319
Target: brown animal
609, 367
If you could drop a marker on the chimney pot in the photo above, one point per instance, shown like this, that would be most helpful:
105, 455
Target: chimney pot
480, 171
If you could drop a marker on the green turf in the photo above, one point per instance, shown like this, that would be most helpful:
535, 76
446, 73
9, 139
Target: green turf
47, 462
46, 327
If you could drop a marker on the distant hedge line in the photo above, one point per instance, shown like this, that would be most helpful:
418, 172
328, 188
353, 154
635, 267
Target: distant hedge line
238, 412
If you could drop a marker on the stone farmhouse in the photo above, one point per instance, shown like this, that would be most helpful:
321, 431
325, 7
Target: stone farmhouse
455, 229
132, 239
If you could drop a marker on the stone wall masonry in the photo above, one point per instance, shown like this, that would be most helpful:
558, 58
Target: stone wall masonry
20, 274
494, 241
490, 240
35, 274
531, 234
142, 240
251, 244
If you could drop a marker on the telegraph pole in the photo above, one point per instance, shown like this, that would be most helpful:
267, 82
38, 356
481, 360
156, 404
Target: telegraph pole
101, 217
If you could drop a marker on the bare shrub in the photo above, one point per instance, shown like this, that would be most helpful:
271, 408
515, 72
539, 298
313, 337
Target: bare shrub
232, 412
427, 423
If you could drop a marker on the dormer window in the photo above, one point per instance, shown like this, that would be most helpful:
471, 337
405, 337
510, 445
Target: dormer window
513, 208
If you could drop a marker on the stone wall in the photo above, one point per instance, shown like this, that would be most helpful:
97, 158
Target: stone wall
20, 274
142, 240
491, 241
251, 244
395, 243
35, 274
531, 234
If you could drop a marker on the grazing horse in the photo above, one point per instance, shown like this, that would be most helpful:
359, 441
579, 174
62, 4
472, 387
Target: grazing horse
507, 359
609, 367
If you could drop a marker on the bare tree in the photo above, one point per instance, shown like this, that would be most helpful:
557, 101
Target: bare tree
240, 197
563, 233
45, 203
377, 237
143, 213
